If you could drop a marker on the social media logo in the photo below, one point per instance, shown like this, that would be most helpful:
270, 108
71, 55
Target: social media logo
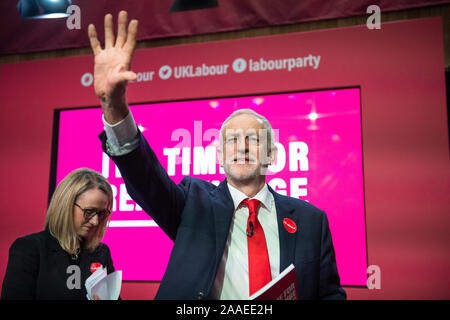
165, 72
239, 65
87, 79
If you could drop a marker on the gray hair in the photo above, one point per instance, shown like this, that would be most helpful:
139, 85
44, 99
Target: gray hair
266, 123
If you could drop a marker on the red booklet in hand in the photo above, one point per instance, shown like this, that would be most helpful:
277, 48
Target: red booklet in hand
283, 287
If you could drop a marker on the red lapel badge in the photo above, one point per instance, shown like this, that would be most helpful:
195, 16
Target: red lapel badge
95, 266
290, 225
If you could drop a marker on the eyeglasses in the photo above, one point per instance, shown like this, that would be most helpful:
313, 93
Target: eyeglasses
89, 213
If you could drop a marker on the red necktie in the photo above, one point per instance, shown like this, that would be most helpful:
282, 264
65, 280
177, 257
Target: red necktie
258, 257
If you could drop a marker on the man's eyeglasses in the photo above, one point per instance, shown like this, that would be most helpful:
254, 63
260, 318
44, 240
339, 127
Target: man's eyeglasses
89, 213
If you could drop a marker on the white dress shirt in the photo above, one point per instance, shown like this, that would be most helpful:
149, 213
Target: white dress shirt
232, 278
121, 136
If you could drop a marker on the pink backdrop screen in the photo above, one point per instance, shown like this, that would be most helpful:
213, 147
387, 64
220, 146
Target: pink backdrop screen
318, 136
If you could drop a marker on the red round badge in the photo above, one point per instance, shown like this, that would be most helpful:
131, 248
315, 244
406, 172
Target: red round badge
95, 266
290, 225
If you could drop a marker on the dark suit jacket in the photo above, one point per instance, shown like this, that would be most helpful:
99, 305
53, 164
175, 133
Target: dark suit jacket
37, 269
197, 215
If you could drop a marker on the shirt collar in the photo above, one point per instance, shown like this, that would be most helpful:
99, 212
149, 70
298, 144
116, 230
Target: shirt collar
263, 195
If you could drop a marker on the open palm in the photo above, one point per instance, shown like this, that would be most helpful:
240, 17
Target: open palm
112, 64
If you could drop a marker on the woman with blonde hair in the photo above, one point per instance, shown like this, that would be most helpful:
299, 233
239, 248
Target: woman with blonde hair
55, 263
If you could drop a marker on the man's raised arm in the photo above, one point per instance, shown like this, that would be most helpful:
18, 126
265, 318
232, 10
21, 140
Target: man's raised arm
112, 65
146, 180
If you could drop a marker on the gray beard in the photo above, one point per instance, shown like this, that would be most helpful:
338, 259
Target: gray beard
249, 176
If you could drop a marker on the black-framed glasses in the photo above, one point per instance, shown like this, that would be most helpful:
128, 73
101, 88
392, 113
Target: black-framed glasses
89, 213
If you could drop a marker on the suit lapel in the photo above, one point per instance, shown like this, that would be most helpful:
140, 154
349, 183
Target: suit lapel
287, 240
58, 256
223, 210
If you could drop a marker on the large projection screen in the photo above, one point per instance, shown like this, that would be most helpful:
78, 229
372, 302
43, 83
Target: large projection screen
318, 136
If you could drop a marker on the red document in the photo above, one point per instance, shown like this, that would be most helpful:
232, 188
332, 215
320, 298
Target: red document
283, 287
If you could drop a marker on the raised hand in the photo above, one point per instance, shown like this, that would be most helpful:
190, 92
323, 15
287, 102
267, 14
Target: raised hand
112, 65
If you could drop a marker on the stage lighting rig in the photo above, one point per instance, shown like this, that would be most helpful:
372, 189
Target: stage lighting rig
43, 9
185, 5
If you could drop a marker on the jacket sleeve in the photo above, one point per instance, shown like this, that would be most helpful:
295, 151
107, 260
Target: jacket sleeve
22, 271
149, 185
329, 287
109, 262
